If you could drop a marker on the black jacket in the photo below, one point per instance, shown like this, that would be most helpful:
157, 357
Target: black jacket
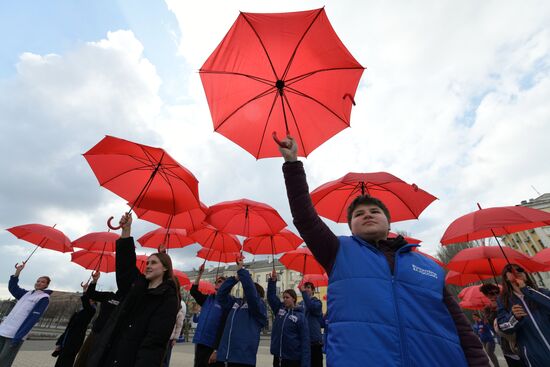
138, 331
108, 300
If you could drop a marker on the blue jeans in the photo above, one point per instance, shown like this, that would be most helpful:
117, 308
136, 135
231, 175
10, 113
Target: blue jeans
8, 351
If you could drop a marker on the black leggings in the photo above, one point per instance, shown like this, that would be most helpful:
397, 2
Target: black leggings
285, 362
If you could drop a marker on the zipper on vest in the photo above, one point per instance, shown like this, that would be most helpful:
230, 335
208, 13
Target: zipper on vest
229, 337
399, 325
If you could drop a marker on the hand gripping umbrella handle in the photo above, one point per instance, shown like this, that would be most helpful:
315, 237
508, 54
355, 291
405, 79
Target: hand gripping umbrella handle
114, 228
280, 143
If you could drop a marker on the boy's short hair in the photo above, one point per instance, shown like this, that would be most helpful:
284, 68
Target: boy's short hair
310, 285
367, 200
488, 288
45, 277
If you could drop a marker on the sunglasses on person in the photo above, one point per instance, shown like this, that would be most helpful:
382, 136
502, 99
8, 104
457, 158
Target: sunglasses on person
493, 293
518, 269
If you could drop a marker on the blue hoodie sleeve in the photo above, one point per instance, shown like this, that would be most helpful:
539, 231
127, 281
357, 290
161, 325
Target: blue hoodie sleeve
33, 317
507, 322
255, 305
222, 296
274, 301
13, 287
306, 344
541, 296
313, 306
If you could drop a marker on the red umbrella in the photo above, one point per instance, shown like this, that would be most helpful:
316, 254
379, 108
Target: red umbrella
204, 287
301, 260
492, 222
190, 220
410, 240
182, 278
217, 256
490, 260
269, 244
404, 201
542, 256
472, 298
167, 238
460, 279
214, 239
287, 73
97, 241
145, 176
318, 280
245, 217
141, 262
95, 260
42, 236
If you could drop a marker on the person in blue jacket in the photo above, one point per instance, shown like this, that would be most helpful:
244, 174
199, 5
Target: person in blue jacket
209, 323
314, 314
247, 316
27, 311
483, 330
524, 309
290, 343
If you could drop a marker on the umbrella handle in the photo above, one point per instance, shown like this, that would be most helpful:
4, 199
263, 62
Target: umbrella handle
279, 143
114, 228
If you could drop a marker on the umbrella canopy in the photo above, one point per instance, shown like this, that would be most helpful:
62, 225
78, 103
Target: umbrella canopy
490, 222
409, 240
214, 239
272, 244
182, 278
190, 220
221, 257
301, 260
168, 238
97, 241
318, 280
245, 217
490, 260
543, 256
472, 298
145, 176
287, 73
205, 287
404, 201
95, 260
42, 236
141, 262
460, 279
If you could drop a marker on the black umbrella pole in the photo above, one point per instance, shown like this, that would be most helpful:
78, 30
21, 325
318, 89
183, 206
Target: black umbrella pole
500, 247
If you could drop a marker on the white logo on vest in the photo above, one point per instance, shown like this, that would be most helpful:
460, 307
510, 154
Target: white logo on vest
424, 271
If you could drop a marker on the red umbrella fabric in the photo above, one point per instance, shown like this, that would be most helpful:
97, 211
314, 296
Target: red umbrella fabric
182, 278
489, 260
301, 260
97, 241
272, 244
43, 236
95, 260
472, 298
460, 279
287, 73
404, 201
318, 280
410, 240
543, 256
141, 262
491, 222
217, 256
245, 217
145, 176
169, 238
190, 220
205, 287
214, 239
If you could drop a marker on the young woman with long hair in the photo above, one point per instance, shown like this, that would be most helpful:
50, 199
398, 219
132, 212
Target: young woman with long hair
138, 331
524, 309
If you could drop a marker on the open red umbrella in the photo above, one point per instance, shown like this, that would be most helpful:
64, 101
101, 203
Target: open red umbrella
404, 201
97, 241
287, 73
95, 260
472, 298
166, 238
42, 236
217, 240
145, 176
543, 257
190, 220
272, 244
490, 260
245, 217
318, 280
182, 278
302, 260
410, 240
217, 256
456, 278
205, 287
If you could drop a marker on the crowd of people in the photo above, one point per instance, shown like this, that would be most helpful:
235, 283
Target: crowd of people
387, 306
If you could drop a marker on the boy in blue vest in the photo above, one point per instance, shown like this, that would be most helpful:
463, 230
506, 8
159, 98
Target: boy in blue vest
314, 314
387, 305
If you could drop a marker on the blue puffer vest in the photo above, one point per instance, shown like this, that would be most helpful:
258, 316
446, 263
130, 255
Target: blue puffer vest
384, 320
208, 323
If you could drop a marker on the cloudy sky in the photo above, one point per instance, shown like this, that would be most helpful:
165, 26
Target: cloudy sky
454, 99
